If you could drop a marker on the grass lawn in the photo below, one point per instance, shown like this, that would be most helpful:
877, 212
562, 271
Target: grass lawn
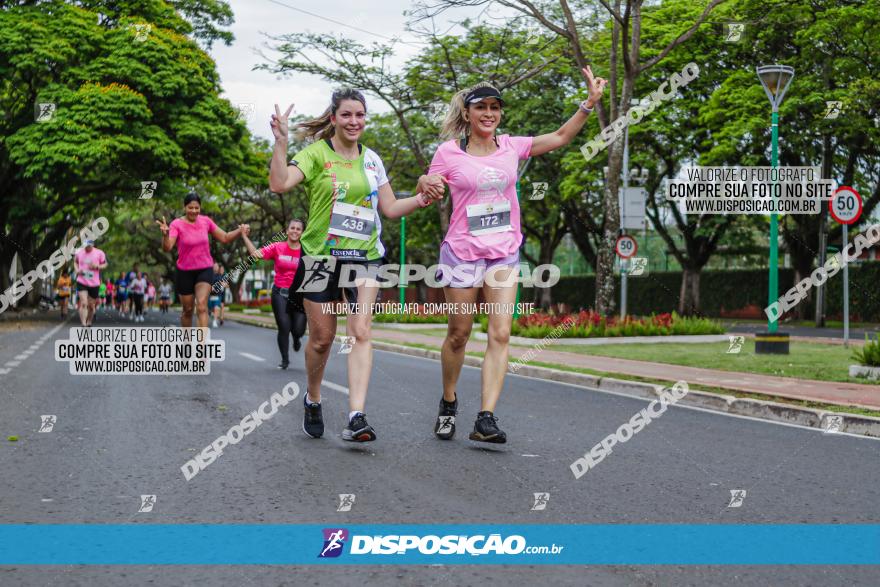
823, 362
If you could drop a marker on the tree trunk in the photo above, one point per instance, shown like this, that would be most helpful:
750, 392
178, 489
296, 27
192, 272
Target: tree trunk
544, 295
605, 303
689, 296
801, 309
236, 288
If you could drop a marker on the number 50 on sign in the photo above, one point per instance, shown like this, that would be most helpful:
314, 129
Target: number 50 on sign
846, 205
626, 246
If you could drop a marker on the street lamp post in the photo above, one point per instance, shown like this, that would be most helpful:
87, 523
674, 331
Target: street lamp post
775, 79
402, 283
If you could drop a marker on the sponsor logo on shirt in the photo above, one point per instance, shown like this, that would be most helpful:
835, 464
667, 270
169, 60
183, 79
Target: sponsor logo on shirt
358, 254
491, 182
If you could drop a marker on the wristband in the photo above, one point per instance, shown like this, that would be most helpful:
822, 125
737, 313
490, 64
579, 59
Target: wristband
584, 109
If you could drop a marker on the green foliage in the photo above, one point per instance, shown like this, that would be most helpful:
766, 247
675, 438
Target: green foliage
658, 291
127, 109
730, 290
266, 308
868, 355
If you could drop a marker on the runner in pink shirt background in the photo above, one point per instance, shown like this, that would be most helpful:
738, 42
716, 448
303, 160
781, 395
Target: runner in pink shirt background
484, 234
151, 295
195, 266
287, 304
87, 264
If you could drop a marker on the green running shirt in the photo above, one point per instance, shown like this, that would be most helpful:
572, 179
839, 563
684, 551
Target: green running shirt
357, 182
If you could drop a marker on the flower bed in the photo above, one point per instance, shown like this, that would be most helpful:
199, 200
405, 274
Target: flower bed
589, 324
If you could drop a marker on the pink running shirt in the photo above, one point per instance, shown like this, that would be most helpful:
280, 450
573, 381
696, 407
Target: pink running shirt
92, 277
286, 261
482, 180
193, 245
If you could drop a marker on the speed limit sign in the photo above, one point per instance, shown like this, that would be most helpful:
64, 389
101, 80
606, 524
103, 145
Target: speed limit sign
626, 246
846, 205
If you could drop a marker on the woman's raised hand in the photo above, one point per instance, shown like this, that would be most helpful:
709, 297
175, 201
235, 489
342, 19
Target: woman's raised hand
163, 226
279, 123
595, 85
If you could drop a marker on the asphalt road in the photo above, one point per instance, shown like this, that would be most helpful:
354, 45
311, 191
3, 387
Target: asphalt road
118, 437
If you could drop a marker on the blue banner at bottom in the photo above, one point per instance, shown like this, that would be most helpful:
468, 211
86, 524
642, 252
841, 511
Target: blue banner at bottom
602, 544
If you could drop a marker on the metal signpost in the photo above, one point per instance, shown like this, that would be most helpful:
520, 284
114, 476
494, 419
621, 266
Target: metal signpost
845, 207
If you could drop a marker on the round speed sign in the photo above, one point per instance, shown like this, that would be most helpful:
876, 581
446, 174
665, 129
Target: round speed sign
846, 205
626, 246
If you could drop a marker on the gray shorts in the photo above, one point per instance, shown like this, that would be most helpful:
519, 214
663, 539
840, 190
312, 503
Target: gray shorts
469, 273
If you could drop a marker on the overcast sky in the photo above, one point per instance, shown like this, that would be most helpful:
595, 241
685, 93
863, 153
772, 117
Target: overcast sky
256, 18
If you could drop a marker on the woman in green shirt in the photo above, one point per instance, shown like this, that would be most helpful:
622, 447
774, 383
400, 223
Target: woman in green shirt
347, 187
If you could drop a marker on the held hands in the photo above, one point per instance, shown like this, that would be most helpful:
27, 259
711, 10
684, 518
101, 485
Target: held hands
245, 229
163, 226
279, 123
595, 85
433, 187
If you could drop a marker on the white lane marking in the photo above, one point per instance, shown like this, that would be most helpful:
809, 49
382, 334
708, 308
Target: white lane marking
4, 371
676, 406
332, 385
529, 455
252, 357
21, 357
45, 500
12, 363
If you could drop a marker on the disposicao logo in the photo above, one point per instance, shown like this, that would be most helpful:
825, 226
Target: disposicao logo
334, 541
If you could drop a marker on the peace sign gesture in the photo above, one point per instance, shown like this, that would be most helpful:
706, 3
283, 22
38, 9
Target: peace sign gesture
279, 123
595, 85
163, 226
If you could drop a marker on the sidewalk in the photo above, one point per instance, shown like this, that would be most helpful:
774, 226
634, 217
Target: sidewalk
830, 392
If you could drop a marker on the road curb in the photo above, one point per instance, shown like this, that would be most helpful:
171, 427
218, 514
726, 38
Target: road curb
764, 410
250, 322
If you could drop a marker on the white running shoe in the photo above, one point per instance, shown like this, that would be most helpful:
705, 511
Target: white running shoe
215, 324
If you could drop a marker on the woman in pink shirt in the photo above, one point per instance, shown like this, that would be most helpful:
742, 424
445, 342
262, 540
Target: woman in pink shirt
287, 303
195, 266
87, 264
484, 236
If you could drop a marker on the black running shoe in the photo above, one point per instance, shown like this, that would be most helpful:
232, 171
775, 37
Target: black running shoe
313, 422
284, 364
445, 426
358, 430
486, 429
297, 344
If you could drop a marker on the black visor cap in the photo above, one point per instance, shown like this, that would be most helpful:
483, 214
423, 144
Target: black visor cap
480, 94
